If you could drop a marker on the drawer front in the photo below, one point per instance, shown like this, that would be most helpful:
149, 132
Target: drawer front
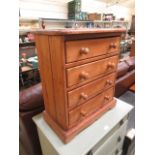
113, 145
84, 110
87, 72
83, 49
83, 93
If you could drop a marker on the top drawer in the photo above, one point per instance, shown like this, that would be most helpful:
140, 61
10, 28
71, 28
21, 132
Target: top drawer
83, 49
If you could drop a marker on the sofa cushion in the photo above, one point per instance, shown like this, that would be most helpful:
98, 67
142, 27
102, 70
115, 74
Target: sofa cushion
131, 63
122, 69
31, 98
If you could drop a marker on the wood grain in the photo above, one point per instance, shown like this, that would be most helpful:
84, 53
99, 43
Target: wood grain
75, 50
91, 77
77, 74
57, 60
74, 31
83, 111
91, 35
84, 61
90, 90
68, 135
43, 51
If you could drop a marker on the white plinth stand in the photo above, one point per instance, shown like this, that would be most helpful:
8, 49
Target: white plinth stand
104, 137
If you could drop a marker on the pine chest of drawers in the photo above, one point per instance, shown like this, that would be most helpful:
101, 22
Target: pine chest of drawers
78, 70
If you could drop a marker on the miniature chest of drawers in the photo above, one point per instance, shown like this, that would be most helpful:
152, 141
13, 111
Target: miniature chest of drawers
78, 70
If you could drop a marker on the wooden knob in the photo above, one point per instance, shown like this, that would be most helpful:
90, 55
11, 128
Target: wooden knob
109, 82
111, 65
84, 50
84, 75
83, 95
83, 113
112, 45
107, 97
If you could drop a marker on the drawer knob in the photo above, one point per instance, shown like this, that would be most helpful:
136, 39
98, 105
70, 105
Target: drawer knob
111, 65
84, 50
109, 82
107, 97
83, 95
112, 45
83, 113
84, 75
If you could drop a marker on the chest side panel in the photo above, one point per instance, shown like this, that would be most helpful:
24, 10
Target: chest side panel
59, 78
43, 51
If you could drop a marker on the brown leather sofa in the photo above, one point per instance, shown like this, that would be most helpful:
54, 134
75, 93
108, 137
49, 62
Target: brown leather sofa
31, 103
125, 76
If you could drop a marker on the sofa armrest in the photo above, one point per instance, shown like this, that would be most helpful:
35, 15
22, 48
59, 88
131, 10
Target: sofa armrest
123, 83
31, 98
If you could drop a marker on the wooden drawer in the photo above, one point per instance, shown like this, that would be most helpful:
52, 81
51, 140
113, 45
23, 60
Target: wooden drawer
83, 49
88, 72
83, 93
90, 106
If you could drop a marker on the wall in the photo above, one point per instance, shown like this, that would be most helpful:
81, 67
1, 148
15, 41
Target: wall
100, 6
43, 8
93, 6
58, 9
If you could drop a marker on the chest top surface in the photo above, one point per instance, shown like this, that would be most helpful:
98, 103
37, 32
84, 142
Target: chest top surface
72, 31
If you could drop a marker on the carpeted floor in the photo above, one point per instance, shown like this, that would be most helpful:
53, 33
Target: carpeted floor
129, 97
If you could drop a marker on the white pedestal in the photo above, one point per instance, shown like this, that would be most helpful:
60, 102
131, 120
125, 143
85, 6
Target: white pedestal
99, 137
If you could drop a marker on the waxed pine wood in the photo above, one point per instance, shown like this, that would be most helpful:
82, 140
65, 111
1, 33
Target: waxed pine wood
77, 91
90, 106
91, 70
56, 44
95, 47
45, 66
81, 94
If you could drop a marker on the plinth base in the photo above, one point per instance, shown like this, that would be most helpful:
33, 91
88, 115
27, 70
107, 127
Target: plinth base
67, 135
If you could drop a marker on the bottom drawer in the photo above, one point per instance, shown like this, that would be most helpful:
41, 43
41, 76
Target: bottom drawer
114, 142
78, 114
